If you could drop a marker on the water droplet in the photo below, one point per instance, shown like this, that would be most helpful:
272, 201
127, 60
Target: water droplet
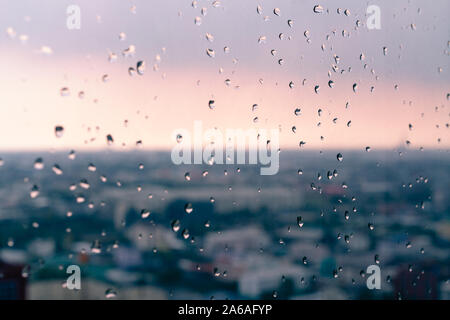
210, 53
72, 155
39, 164
25, 271
92, 167
339, 157
130, 51
299, 221
211, 104
109, 139
145, 213
175, 225
209, 37
96, 247
131, 71
59, 131
318, 9
64, 92
185, 233
140, 67
34, 192
188, 208
105, 78
276, 11
57, 170
259, 9
110, 293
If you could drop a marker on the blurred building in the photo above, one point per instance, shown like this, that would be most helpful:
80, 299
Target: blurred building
12, 283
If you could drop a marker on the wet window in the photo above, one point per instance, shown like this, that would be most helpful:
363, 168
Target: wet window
224, 150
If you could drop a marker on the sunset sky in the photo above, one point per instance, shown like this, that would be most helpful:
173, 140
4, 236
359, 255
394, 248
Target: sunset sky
180, 78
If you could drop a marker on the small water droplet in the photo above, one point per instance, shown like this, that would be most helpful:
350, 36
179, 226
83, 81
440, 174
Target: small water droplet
34, 192
176, 225
64, 92
140, 67
198, 21
109, 139
210, 53
57, 170
185, 233
59, 131
188, 208
318, 9
299, 221
110, 293
39, 164
145, 213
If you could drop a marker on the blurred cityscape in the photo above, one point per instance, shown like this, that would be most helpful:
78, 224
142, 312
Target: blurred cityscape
141, 227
